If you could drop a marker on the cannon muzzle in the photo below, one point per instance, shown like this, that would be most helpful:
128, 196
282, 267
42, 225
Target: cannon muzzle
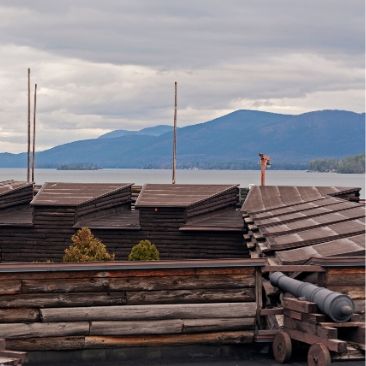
337, 306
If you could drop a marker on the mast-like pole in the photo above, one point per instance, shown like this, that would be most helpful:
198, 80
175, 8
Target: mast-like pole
34, 130
29, 129
175, 134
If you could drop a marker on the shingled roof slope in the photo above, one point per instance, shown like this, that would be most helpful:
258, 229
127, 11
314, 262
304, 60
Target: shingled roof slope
178, 195
74, 194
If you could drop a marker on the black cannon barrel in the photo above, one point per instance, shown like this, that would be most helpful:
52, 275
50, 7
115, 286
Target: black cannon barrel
337, 306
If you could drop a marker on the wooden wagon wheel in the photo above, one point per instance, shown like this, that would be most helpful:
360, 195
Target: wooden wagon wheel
282, 347
319, 355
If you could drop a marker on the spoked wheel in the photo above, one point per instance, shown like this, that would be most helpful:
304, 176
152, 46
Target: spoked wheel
282, 347
319, 355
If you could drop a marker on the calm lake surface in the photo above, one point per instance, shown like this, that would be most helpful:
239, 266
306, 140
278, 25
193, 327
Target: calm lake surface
141, 176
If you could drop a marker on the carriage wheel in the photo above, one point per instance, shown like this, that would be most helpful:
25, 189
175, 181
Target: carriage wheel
282, 347
319, 355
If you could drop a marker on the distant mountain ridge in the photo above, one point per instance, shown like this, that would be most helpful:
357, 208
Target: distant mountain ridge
148, 131
232, 141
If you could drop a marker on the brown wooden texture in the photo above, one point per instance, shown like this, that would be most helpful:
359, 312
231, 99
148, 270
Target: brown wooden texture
238, 337
299, 305
47, 344
16, 315
23, 330
191, 296
129, 300
141, 312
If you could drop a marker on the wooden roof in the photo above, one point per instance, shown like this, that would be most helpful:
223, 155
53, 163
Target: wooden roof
353, 245
317, 235
228, 219
304, 223
260, 199
313, 210
124, 220
294, 224
178, 195
9, 186
74, 194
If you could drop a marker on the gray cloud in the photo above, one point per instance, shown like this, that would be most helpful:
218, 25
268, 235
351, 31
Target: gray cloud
111, 64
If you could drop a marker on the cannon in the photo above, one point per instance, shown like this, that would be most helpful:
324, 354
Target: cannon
337, 306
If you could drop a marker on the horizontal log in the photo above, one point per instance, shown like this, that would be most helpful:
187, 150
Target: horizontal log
158, 272
217, 325
88, 342
10, 287
354, 292
17, 315
172, 326
141, 312
345, 276
62, 300
137, 283
183, 283
239, 337
191, 296
47, 344
23, 330
65, 285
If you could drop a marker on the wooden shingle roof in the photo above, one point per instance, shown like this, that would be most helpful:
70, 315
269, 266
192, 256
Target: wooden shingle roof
178, 195
74, 194
261, 199
293, 224
9, 186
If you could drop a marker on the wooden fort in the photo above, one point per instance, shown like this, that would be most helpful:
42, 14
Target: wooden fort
183, 221
212, 285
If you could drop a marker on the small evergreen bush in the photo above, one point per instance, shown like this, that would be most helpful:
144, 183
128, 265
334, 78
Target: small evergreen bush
86, 247
144, 251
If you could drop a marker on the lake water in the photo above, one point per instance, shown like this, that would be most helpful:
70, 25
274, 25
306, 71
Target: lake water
141, 176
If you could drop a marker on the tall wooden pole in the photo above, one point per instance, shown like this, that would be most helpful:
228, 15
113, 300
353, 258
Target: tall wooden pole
175, 133
29, 129
34, 130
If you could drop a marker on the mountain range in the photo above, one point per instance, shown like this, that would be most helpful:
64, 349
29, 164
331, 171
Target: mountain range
232, 141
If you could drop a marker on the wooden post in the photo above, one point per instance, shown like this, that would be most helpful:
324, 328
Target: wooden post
175, 134
34, 130
29, 130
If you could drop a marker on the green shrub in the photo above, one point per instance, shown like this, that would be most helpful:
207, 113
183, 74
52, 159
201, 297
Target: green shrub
86, 247
144, 251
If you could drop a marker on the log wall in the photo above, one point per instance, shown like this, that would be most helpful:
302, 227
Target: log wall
91, 306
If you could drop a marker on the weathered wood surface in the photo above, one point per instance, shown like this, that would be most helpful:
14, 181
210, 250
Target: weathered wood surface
10, 287
81, 342
136, 283
334, 345
47, 344
144, 312
23, 330
172, 326
130, 272
301, 306
17, 315
191, 296
238, 337
61, 300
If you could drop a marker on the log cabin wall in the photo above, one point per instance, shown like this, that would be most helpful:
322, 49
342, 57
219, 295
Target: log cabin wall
58, 306
345, 275
59, 209
173, 244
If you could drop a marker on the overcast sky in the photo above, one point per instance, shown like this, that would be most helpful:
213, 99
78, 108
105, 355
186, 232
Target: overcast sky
111, 64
